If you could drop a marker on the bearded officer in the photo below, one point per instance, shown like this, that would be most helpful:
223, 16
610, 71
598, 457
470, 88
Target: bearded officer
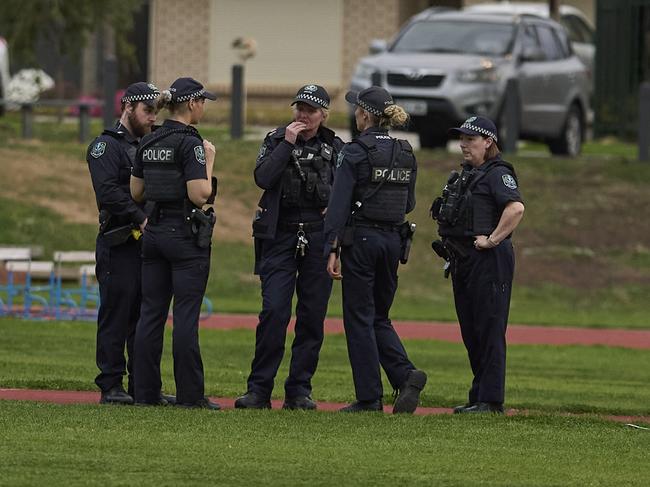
480, 208
110, 158
295, 168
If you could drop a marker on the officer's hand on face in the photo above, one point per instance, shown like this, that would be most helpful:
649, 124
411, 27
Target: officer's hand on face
210, 152
292, 131
143, 224
334, 267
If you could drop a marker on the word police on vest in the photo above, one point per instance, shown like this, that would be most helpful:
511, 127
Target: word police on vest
397, 175
158, 154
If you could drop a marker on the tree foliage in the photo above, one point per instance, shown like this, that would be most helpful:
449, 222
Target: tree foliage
66, 24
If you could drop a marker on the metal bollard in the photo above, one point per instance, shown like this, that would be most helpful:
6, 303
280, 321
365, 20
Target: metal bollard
27, 110
644, 122
237, 102
84, 122
511, 117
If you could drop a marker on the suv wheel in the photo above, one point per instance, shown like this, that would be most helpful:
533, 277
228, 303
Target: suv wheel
432, 140
569, 143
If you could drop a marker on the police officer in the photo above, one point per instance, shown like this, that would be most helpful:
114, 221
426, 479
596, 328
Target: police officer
110, 157
373, 190
480, 208
173, 168
295, 168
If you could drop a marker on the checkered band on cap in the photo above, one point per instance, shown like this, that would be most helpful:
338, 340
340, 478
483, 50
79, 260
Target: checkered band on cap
190, 96
368, 108
307, 96
148, 96
480, 130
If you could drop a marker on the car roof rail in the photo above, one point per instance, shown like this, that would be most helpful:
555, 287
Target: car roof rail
431, 11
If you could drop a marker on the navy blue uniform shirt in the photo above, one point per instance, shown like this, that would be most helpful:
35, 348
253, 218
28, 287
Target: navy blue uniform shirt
193, 167
272, 160
352, 167
110, 158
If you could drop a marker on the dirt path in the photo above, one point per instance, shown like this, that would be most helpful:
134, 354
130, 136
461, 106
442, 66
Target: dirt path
448, 332
90, 397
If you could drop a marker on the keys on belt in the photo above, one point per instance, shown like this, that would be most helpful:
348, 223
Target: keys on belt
302, 244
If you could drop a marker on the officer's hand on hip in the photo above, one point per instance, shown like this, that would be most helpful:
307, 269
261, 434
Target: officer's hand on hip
292, 131
483, 242
210, 152
334, 267
143, 224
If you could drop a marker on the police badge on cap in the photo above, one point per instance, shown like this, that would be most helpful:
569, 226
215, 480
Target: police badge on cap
313, 95
141, 92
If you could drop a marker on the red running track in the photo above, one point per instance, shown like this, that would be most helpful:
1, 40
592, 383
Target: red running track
448, 332
90, 397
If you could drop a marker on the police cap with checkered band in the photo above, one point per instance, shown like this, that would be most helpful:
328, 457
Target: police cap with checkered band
313, 95
141, 92
374, 99
185, 89
476, 126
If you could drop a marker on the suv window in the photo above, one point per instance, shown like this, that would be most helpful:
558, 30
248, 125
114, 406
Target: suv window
483, 38
578, 30
550, 43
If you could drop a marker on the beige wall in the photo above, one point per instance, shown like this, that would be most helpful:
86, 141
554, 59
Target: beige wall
178, 40
298, 42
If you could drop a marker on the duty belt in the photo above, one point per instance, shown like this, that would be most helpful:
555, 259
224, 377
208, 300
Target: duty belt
307, 227
388, 227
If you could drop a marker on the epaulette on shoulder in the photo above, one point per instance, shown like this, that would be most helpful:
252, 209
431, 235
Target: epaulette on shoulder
113, 133
278, 133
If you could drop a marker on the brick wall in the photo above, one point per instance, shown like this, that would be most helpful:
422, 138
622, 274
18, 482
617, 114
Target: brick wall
179, 40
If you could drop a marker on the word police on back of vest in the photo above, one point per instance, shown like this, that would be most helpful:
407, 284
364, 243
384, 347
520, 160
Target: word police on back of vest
158, 154
398, 175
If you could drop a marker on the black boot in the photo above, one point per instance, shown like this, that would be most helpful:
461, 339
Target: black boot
360, 406
409, 394
299, 402
253, 400
483, 407
115, 395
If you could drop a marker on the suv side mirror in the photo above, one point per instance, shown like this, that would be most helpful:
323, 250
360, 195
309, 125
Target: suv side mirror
531, 53
377, 46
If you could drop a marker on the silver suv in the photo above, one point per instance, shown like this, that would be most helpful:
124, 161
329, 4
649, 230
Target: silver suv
445, 66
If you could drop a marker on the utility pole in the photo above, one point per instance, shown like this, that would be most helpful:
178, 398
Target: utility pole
554, 9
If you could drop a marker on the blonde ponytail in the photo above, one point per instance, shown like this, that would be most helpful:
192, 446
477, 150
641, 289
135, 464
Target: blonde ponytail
394, 116
164, 99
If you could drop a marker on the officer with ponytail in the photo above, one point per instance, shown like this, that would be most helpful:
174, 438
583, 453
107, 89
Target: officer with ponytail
174, 169
374, 189
479, 209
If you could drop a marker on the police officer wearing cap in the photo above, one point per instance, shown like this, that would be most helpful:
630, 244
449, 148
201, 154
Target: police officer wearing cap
295, 168
477, 213
373, 190
110, 158
173, 168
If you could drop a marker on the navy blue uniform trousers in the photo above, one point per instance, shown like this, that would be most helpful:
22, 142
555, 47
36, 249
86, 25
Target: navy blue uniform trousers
482, 283
280, 274
118, 274
369, 269
172, 264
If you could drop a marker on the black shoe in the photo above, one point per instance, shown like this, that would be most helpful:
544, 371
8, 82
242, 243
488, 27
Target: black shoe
168, 398
116, 395
299, 402
483, 407
461, 409
360, 406
204, 403
409, 394
253, 400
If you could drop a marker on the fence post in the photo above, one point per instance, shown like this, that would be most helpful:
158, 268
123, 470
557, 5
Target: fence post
237, 102
84, 122
27, 110
644, 121
110, 87
511, 117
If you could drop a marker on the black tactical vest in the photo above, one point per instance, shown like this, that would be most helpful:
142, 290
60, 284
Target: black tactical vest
124, 175
384, 196
306, 182
161, 164
460, 213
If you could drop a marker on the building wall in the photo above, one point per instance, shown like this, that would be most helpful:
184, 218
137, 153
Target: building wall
178, 40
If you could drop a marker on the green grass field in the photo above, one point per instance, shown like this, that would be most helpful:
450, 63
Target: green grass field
92, 445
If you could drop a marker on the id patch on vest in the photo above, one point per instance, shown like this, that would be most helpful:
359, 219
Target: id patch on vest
397, 175
98, 150
199, 153
509, 181
158, 154
339, 159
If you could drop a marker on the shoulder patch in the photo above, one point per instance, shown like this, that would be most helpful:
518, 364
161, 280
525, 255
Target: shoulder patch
339, 159
509, 181
199, 153
98, 150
